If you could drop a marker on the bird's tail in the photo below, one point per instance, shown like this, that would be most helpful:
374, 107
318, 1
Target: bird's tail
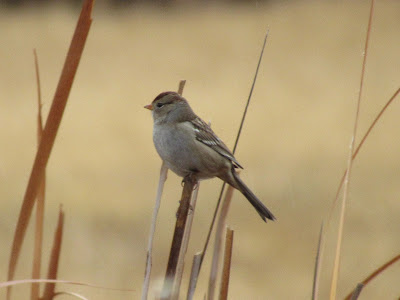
262, 210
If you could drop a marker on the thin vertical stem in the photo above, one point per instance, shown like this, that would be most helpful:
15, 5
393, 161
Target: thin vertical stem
335, 273
176, 246
226, 271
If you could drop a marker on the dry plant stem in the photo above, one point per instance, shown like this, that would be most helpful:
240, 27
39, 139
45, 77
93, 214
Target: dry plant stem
226, 271
30, 281
218, 242
377, 118
185, 243
335, 273
146, 283
176, 246
71, 294
54, 257
193, 275
181, 86
233, 151
163, 178
376, 273
50, 132
38, 242
357, 291
318, 263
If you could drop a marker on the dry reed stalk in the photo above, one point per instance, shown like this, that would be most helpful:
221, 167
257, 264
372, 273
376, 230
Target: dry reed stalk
194, 275
176, 246
30, 281
364, 138
318, 264
181, 261
71, 294
226, 270
38, 242
161, 181
335, 273
203, 253
48, 293
375, 274
219, 232
49, 133
357, 291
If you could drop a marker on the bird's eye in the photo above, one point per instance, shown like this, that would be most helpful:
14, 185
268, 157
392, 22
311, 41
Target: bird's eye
159, 105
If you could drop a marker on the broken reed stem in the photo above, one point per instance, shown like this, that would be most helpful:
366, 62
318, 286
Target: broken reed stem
357, 291
335, 273
49, 288
194, 275
163, 178
146, 282
219, 232
376, 273
38, 241
226, 270
185, 243
176, 246
49, 133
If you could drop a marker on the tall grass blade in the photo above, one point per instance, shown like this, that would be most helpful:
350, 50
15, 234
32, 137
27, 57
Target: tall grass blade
364, 138
37, 248
335, 273
50, 132
233, 151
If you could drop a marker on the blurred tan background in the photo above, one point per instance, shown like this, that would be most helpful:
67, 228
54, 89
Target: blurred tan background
104, 169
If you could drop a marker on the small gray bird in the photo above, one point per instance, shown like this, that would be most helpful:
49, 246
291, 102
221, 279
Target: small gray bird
188, 145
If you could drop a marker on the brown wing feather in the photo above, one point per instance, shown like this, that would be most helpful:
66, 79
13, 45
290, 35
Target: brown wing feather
205, 135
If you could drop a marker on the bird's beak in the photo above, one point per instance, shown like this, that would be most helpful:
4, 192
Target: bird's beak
149, 106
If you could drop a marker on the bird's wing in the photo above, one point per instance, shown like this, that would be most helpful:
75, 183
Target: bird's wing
205, 135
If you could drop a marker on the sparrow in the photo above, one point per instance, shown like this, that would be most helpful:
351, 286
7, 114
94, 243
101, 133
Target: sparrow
188, 146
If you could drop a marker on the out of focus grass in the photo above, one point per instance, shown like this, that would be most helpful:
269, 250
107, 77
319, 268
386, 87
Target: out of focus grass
104, 169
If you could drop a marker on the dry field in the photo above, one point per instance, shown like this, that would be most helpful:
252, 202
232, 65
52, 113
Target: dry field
104, 169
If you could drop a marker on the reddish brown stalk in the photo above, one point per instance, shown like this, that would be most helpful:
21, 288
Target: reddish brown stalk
37, 249
185, 243
48, 293
50, 132
176, 246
